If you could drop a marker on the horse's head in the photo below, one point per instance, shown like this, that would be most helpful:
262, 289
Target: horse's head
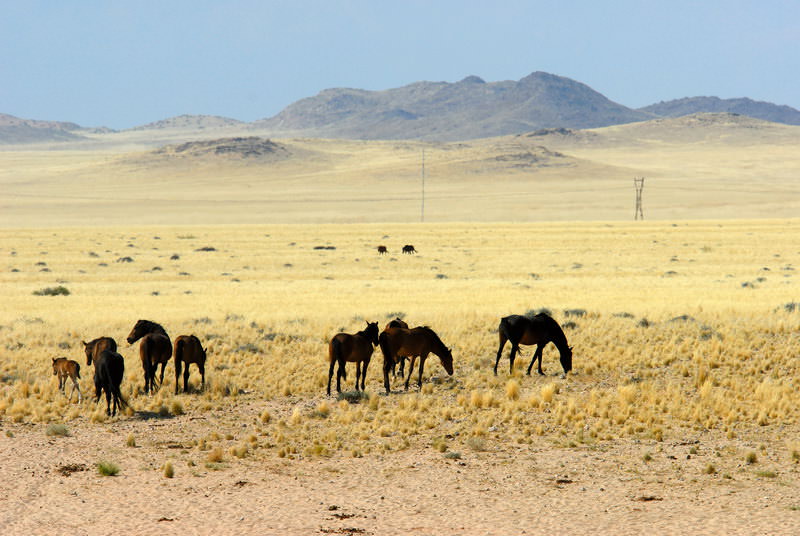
88, 348
371, 332
447, 360
566, 359
55, 369
138, 331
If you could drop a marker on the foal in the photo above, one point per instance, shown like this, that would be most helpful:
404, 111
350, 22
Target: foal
66, 368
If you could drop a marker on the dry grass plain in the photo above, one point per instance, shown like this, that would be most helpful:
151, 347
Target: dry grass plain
683, 405
681, 415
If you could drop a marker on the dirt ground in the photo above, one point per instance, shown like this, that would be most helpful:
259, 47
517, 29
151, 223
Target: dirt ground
50, 484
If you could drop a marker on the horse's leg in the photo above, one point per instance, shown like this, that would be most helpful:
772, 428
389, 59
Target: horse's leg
411, 360
358, 373
178, 374
503, 340
163, 366
78, 387
422, 359
513, 356
145, 366
540, 351
330, 375
364, 374
402, 359
339, 372
536, 355
186, 379
108, 401
202, 367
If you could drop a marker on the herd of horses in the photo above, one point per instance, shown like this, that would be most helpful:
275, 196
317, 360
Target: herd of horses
155, 349
397, 342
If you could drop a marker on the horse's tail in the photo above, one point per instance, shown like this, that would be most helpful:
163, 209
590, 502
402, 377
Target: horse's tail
388, 358
179, 349
112, 386
335, 354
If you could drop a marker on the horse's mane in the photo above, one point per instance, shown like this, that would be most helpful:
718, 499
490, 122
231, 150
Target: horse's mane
152, 327
433, 334
559, 338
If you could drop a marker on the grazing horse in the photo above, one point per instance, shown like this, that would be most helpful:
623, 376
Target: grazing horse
413, 343
108, 370
155, 348
382, 250
66, 368
408, 248
538, 330
353, 348
93, 348
188, 350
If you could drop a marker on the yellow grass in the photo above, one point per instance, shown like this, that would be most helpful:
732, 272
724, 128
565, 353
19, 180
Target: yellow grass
718, 352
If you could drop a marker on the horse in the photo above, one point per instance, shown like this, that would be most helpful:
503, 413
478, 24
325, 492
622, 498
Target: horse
413, 343
397, 323
188, 350
155, 348
409, 249
66, 368
538, 330
108, 370
382, 250
94, 347
356, 348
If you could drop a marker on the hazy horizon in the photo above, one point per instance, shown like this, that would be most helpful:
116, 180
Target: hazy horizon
122, 65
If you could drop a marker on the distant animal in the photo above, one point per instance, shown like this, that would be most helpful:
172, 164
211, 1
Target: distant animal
66, 368
94, 347
539, 330
109, 368
412, 343
408, 248
382, 250
356, 349
397, 323
155, 349
188, 350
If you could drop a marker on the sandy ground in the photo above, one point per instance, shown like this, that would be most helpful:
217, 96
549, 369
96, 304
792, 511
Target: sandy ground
50, 485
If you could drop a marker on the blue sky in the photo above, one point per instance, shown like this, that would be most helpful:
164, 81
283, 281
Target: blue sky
126, 63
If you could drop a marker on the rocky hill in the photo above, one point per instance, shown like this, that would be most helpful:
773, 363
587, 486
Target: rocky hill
191, 122
744, 106
16, 130
471, 108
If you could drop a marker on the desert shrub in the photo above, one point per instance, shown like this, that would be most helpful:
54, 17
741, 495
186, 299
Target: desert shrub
106, 468
58, 430
169, 470
353, 397
52, 291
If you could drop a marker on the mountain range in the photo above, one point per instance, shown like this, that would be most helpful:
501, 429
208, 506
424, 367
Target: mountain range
435, 111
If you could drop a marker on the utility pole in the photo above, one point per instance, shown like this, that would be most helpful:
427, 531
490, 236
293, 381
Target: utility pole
638, 184
422, 208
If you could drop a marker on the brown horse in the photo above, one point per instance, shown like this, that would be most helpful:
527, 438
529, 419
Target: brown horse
93, 348
155, 348
382, 250
397, 323
66, 368
188, 350
354, 349
539, 330
409, 249
413, 343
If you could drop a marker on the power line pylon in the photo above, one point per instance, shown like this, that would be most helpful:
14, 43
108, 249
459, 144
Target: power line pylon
638, 184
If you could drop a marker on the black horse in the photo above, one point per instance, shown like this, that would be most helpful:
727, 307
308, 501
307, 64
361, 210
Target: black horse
108, 370
539, 330
155, 348
357, 349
